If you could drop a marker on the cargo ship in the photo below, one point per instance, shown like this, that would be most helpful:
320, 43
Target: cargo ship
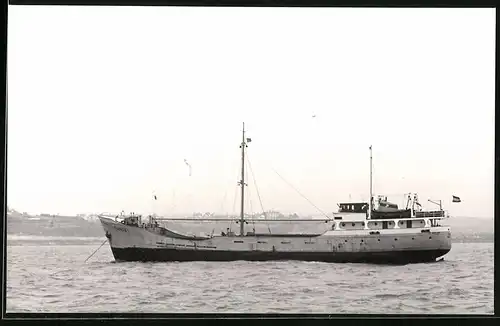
376, 232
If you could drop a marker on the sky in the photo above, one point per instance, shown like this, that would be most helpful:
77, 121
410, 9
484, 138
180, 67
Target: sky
106, 103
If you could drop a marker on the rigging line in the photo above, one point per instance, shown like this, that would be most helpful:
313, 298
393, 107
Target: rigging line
235, 198
234, 203
301, 195
234, 206
257, 190
249, 202
224, 200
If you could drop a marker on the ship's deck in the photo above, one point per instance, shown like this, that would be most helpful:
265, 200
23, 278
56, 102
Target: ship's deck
292, 235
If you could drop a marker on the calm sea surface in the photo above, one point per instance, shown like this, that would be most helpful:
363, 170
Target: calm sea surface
50, 275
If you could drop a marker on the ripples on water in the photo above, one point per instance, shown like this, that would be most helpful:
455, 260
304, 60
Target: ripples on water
54, 278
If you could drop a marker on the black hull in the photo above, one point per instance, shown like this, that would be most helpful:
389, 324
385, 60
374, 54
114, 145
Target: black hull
173, 255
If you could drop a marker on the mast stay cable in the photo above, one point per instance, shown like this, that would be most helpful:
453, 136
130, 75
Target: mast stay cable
258, 194
224, 200
249, 202
234, 202
302, 195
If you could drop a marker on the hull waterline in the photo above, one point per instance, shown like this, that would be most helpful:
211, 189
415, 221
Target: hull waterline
175, 255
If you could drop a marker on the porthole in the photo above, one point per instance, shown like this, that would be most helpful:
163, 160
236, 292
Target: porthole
430, 237
363, 223
343, 224
413, 238
353, 224
361, 240
345, 240
375, 223
378, 239
395, 239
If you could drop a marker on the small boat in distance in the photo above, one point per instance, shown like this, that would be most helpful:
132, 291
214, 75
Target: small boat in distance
360, 232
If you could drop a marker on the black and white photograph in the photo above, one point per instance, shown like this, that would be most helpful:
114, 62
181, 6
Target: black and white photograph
257, 160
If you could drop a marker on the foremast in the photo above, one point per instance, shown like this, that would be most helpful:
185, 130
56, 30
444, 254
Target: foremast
370, 203
242, 183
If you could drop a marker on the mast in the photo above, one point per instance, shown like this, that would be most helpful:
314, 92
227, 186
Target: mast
371, 185
242, 184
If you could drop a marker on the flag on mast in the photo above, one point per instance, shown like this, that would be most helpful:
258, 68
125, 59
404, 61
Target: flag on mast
189, 166
456, 199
